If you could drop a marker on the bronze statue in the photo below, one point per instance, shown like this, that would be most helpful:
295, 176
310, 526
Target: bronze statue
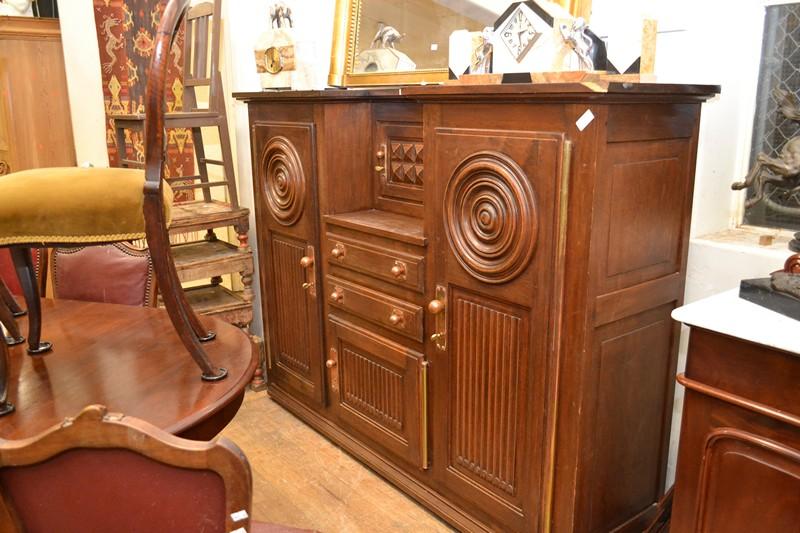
781, 291
782, 172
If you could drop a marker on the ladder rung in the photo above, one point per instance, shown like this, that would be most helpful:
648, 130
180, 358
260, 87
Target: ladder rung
212, 161
194, 82
199, 185
182, 178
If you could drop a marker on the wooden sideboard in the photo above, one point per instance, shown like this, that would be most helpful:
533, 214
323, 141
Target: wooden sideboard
35, 123
739, 455
472, 296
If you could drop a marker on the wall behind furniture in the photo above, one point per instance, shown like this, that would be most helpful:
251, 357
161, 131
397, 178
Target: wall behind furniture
700, 41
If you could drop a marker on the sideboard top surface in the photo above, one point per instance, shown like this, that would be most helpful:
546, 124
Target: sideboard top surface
610, 91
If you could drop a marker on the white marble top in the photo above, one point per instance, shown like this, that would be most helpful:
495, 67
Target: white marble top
728, 314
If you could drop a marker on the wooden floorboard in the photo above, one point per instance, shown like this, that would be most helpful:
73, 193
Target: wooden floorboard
301, 479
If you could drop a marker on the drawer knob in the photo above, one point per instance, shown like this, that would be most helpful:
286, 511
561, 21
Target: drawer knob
306, 261
436, 307
399, 270
330, 363
338, 251
380, 153
397, 318
337, 294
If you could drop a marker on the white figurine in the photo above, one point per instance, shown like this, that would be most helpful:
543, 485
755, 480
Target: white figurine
16, 8
386, 36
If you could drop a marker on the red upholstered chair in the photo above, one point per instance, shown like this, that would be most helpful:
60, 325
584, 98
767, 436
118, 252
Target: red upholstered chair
108, 472
58, 207
115, 274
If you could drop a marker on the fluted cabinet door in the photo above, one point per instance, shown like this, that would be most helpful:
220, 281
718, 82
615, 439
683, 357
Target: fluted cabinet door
286, 209
496, 233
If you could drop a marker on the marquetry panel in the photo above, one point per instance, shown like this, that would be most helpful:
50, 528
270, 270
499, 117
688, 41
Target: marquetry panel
293, 350
767, 501
486, 393
373, 389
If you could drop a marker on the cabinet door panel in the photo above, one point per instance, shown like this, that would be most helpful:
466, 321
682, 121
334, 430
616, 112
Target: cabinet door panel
496, 235
285, 182
767, 501
380, 390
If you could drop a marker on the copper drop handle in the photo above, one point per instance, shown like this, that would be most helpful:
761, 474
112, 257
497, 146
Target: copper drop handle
435, 307
306, 261
338, 251
337, 294
330, 363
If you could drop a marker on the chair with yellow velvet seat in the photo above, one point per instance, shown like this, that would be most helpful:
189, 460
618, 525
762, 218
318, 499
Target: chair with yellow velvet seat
65, 207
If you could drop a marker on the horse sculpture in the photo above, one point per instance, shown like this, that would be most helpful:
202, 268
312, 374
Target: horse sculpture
782, 172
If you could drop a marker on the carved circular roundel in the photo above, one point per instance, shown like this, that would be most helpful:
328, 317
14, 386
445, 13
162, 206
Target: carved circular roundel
491, 217
283, 181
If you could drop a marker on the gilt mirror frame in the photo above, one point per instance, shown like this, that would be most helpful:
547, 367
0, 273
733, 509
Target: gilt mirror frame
345, 42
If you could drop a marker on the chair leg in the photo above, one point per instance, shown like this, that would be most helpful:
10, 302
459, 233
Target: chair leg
5, 406
10, 301
7, 320
187, 325
23, 263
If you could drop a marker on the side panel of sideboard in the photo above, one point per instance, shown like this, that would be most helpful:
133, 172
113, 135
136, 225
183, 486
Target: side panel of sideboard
640, 234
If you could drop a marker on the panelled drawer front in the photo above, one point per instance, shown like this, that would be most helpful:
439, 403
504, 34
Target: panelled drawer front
405, 270
394, 314
380, 390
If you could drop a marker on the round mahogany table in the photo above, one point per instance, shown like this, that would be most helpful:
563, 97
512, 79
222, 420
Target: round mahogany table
129, 359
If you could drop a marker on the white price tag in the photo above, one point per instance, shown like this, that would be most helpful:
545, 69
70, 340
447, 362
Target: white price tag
585, 120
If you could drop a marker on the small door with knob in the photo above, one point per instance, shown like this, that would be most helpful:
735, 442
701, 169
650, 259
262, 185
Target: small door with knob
379, 390
497, 221
287, 235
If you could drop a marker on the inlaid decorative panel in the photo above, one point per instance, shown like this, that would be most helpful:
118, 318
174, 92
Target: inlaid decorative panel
371, 388
291, 338
486, 394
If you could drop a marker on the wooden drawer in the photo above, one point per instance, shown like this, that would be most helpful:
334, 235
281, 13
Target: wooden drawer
379, 390
397, 315
403, 269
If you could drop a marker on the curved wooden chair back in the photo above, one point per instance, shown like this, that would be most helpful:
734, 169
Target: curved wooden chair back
102, 471
116, 274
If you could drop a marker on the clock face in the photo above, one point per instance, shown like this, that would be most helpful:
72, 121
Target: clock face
519, 34
272, 59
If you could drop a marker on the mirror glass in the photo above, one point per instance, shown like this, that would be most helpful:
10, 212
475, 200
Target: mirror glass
412, 35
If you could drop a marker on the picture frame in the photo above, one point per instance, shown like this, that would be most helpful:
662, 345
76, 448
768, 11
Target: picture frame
344, 50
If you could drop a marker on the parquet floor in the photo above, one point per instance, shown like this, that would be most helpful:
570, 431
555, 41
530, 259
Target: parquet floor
301, 479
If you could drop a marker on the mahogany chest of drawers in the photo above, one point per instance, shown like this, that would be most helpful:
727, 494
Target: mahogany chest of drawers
472, 296
738, 465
